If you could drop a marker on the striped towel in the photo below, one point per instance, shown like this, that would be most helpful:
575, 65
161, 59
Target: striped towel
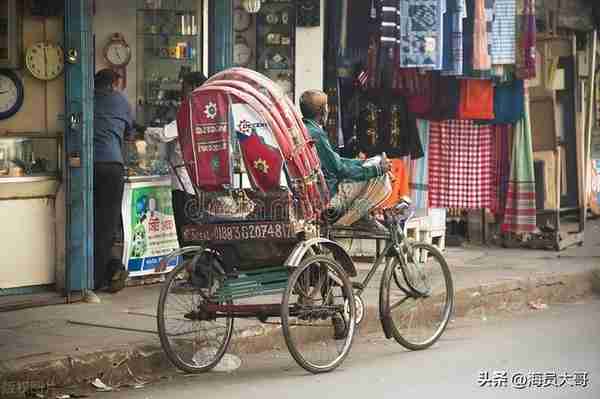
502, 168
504, 32
520, 213
418, 179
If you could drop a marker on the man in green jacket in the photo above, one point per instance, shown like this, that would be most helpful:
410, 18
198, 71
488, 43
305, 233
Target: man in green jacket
356, 186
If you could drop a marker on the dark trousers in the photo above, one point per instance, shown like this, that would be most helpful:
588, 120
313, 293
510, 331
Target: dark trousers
108, 195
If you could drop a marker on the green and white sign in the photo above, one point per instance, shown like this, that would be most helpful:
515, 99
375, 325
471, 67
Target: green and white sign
149, 226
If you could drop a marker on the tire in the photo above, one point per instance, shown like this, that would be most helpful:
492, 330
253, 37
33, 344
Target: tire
395, 282
339, 327
212, 354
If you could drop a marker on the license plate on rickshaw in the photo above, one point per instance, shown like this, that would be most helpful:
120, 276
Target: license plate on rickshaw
239, 231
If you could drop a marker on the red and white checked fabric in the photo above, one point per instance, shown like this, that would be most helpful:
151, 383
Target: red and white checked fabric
461, 162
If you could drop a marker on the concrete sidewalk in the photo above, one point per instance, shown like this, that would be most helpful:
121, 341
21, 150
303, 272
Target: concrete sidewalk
68, 344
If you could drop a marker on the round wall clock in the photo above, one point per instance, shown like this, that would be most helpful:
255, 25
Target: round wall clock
11, 93
117, 52
242, 53
45, 61
241, 20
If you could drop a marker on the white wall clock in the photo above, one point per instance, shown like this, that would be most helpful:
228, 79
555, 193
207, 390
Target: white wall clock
117, 52
45, 61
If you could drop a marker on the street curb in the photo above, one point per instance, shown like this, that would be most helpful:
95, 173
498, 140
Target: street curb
479, 301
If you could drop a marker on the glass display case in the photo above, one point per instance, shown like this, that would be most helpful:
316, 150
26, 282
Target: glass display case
29, 157
145, 158
275, 43
265, 41
169, 44
29, 166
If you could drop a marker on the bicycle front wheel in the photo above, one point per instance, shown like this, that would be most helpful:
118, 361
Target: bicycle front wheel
416, 297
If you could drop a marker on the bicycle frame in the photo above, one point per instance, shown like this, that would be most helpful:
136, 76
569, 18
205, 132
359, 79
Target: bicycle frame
394, 247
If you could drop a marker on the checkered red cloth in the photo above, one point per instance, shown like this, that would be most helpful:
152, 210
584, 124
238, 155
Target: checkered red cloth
461, 162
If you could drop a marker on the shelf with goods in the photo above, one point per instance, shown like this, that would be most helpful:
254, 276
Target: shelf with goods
168, 46
275, 43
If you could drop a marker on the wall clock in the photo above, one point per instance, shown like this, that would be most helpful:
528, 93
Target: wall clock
45, 61
241, 20
117, 52
242, 53
118, 55
11, 93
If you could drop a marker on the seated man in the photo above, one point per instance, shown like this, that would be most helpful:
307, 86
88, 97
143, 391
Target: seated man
357, 187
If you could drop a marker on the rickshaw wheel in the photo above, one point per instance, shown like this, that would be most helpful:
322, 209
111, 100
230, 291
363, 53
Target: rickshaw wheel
318, 314
194, 341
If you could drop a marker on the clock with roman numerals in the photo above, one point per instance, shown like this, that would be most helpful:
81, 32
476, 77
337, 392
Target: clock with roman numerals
45, 60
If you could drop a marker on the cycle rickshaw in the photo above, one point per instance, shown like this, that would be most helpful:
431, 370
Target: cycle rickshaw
258, 228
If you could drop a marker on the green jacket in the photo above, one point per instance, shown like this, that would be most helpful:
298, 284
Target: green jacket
335, 168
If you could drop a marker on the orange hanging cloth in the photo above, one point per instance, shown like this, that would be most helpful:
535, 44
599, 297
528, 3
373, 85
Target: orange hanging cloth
476, 99
399, 184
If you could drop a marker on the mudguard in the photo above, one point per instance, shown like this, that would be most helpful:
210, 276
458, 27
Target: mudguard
339, 253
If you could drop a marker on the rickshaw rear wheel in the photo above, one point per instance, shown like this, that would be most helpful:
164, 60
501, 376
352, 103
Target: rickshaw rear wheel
318, 314
203, 341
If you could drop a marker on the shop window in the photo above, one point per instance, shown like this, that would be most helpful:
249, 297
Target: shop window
265, 41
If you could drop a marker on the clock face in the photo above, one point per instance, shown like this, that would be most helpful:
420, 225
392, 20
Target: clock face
118, 53
11, 94
45, 61
242, 54
241, 20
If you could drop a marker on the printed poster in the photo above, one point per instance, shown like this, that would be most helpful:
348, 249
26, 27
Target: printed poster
149, 226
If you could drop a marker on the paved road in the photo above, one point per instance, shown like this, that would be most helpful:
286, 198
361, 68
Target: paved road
562, 339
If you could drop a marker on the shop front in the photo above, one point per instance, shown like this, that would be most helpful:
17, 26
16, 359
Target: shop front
49, 53
32, 192
490, 129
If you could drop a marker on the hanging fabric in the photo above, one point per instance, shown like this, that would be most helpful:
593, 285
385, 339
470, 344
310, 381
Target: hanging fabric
400, 186
476, 99
520, 213
504, 32
390, 23
453, 37
419, 168
421, 33
526, 39
461, 163
446, 101
509, 102
477, 31
481, 56
386, 125
501, 168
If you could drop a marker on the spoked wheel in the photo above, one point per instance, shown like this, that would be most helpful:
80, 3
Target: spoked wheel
193, 339
417, 298
318, 314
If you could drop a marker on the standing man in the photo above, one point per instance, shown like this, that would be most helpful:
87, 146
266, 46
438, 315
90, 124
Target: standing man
356, 186
113, 121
